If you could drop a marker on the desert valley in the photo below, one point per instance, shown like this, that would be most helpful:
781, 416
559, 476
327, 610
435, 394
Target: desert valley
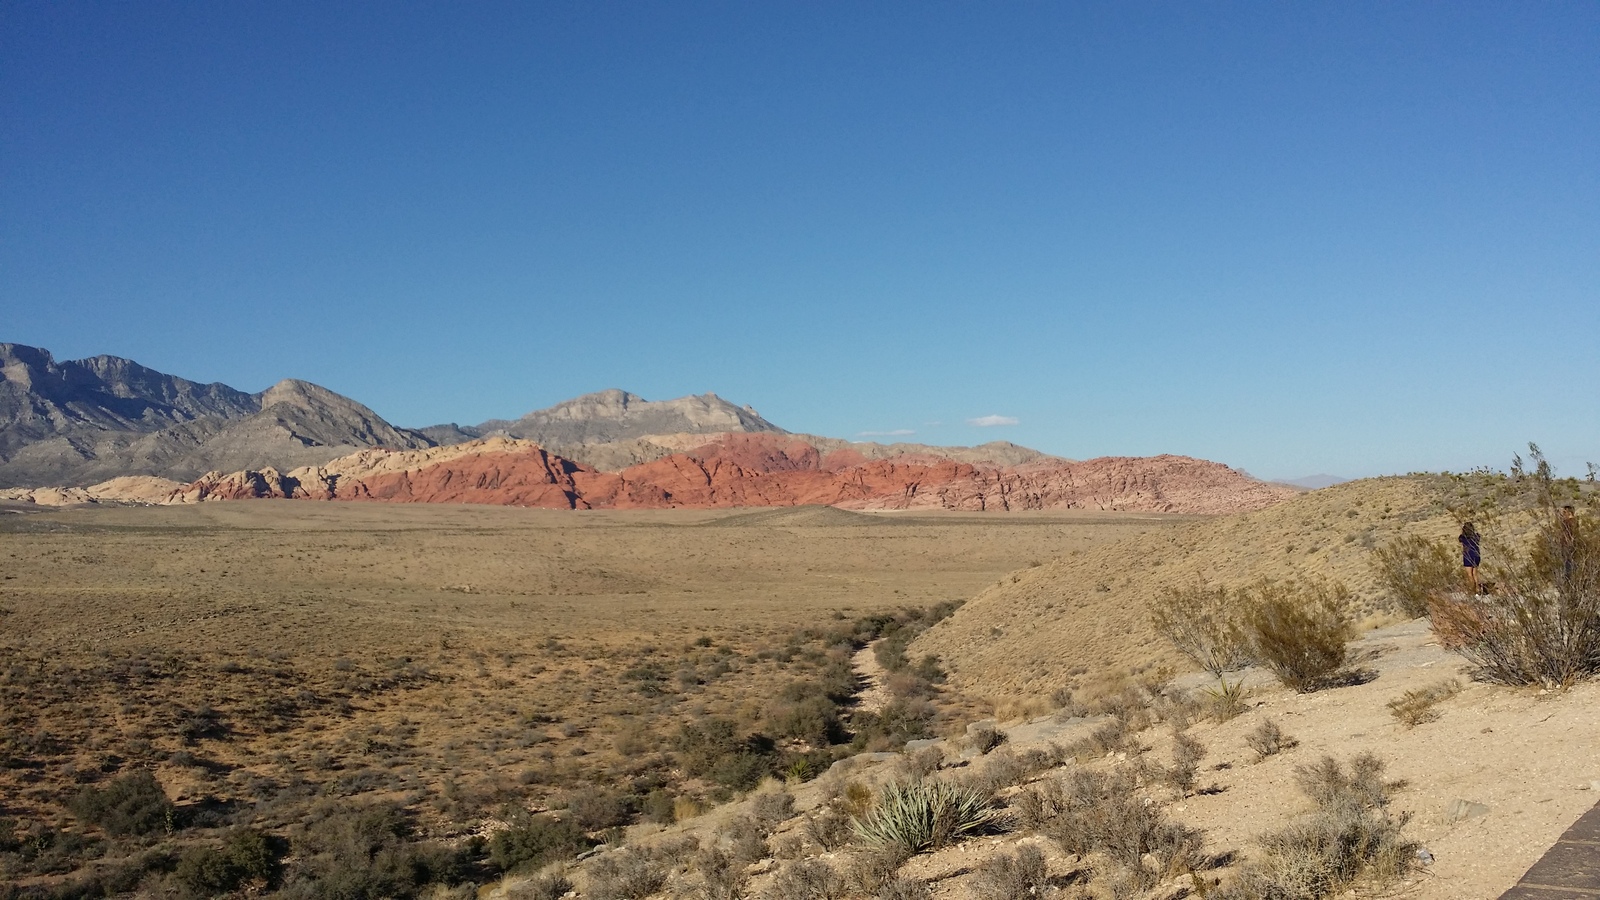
270, 644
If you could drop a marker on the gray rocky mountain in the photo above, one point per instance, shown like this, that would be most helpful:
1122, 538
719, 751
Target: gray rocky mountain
78, 422
613, 416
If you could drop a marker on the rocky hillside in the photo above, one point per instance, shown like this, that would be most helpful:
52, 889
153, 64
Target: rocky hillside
78, 422
1086, 612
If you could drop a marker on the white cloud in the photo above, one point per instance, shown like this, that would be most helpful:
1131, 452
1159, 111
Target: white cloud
898, 432
992, 421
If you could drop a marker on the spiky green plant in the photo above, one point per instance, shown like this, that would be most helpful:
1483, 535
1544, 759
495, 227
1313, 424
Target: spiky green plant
926, 815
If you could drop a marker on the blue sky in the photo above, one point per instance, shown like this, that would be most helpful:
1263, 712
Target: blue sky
1355, 238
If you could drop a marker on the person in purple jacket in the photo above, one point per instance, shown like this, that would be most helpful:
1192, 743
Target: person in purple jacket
1471, 555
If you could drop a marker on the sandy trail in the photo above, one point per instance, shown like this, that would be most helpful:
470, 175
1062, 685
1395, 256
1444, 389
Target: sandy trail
874, 694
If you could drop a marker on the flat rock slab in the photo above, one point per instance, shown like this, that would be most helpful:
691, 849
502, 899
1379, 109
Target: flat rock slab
1570, 870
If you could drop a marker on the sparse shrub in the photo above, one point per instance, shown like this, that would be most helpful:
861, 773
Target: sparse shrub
630, 874
998, 772
366, 852
772, 808
745, 840
983, 737
903, 719
721, 876
593, 809
925, 815
552, 885
131, 804
1415, 571
1415, 707
1267, 739
1007, 876
899, 888
533, 841
807, 879
921, 763
1347, 835
1103, 812
872, 867
829, 827
1204, 624
1300, 630
1186, 755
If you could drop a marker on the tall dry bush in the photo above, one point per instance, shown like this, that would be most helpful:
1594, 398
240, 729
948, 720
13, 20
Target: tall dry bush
1300, 629
1541, 622
1204, 624
1416, 571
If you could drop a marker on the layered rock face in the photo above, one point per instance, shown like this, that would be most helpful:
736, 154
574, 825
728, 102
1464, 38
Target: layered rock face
743, 469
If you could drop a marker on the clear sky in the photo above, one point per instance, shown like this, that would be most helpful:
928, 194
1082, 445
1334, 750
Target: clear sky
1344, 237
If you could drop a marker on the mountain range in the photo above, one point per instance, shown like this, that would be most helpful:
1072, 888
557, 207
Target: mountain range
109, 429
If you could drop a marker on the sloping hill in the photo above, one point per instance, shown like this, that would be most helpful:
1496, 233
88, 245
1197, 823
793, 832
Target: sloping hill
1024, 635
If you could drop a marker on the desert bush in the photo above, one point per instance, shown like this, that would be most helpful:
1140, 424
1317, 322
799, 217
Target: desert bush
872, 867
246, 855
1414, 571
1267, 739
902, 720
983, 737
745, 840
1006, 876
807, 879
552, 885
365, 852
1415, 707
829, 827
630, 874
1186, 755
998, 772
721, 876
1348, 834
131, 804
925, 815
772, 808
1204, 624
533, 841
1541, 622
594, 808
1097, 812
899, 888
921, 763
1300, 630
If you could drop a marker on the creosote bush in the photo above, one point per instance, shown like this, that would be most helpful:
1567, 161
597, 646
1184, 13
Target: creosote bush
1300, 629
1204, 624
1415, 571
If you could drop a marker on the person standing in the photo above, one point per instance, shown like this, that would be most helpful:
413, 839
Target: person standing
1471, 555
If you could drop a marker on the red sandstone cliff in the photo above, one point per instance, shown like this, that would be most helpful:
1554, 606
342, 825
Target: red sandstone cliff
750, 470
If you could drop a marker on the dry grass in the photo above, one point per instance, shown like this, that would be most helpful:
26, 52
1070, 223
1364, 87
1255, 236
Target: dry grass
1415, 707
455, 662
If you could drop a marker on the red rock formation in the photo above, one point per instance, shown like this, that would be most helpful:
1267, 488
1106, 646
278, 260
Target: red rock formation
754, 470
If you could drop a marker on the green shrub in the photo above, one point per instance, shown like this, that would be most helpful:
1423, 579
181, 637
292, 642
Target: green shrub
1300, 630
131, 804
533, 841
247, 855
926, 815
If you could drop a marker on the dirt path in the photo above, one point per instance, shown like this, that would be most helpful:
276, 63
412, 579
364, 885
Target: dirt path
874, 694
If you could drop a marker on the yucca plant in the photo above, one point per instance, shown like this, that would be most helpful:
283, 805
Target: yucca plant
926, 815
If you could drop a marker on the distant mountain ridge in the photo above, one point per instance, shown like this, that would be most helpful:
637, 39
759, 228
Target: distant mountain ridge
82, 421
